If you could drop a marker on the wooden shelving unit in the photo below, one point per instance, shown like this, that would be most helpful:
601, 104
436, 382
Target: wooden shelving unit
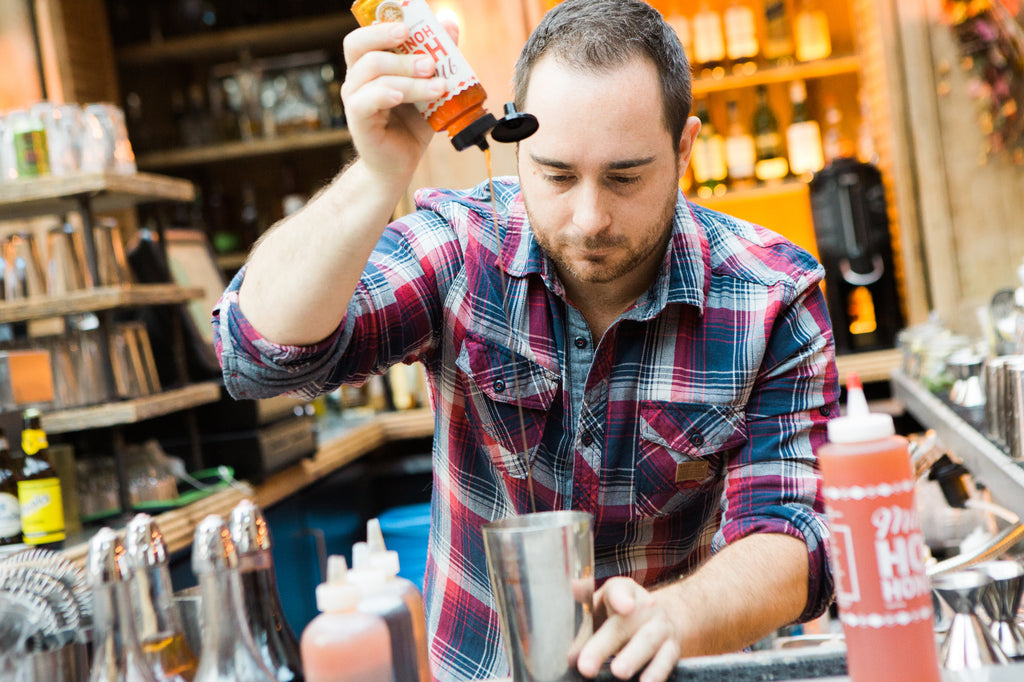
104, 192
288, 35
228, 151
833, 66
131, 411
93, 300
871, 366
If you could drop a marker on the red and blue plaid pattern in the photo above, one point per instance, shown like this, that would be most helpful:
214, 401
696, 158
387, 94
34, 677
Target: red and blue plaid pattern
702, 409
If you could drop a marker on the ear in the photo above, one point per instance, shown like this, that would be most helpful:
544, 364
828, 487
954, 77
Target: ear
686, 141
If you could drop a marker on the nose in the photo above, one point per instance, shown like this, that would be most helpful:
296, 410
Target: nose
590, 211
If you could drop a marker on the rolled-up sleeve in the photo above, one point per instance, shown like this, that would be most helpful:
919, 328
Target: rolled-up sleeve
774, 484
254, 367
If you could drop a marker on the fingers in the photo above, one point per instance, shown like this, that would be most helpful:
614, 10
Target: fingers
662, 665
651, 642
616, 601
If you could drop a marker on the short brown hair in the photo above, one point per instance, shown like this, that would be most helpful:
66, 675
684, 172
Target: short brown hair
599, 34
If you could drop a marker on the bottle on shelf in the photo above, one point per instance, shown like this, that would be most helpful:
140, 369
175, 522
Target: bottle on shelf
771, 163
274, 639
117, 656
879, 552
10, 510
158, 623
343, 644
39, 494
741, 44
834, 144
778, 40
866, 151
396, 600
813, 40
228, 653
708, 158
803, 135
708, 42
740, 150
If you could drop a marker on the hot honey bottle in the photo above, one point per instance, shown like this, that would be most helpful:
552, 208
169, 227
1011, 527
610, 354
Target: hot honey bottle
460, 110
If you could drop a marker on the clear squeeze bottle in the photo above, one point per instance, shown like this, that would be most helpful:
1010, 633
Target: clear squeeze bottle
878, 551
342, 644
396, 600
460, 110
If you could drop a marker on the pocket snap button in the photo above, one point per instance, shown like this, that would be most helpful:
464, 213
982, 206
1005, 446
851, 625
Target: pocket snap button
696, 437
499, 385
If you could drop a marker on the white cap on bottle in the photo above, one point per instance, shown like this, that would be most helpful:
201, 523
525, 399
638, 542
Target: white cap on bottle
859, 425
337, 595
374, 553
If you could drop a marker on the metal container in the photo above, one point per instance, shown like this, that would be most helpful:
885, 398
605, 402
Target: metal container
541, 567
1013, 406
968, 642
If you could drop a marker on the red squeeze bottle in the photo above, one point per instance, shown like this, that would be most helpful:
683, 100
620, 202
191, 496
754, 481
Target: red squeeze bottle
878, 551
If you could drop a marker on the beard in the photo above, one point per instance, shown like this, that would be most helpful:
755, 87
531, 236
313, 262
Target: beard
622, 256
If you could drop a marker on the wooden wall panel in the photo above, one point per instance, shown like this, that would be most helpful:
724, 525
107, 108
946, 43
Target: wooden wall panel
21, 84
78, 56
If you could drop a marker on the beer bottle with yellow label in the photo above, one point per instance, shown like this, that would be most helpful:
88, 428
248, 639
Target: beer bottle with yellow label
42, 508
10, 510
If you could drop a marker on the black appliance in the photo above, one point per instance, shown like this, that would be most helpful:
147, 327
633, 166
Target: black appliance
851, 225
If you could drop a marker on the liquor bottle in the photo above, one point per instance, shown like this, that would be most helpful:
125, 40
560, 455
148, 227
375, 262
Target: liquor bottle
803, 136
778, 40
157, 620
116, 653
274, 640
228, 653
42, 507
812, 33
740, 150
460, 110
398, 601
771, 163
834, 143
10, 510
708, 157
708, 42
343, 644
741, 46
878, 558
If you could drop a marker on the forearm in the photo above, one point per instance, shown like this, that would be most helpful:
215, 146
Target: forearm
303, 272
741, 594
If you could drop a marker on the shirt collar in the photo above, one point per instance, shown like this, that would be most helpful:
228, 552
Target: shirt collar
684, 276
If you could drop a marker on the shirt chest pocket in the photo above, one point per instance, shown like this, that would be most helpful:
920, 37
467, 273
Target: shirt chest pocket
682, 453
508, 398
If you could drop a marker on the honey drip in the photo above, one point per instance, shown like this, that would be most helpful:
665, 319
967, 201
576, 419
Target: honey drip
515, 376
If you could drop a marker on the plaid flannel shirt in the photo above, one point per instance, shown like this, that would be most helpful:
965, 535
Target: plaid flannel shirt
697, 423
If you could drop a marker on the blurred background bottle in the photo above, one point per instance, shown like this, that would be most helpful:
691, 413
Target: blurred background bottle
39, 494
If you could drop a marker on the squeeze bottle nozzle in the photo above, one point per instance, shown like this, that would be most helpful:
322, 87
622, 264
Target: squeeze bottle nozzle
859, 424
337, 593
373, 553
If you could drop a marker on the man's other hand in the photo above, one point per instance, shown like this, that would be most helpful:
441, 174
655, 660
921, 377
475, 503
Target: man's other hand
633, 625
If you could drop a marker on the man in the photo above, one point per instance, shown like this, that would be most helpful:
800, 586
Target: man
664, 367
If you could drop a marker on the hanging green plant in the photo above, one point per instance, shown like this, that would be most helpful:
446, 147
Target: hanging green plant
991, 44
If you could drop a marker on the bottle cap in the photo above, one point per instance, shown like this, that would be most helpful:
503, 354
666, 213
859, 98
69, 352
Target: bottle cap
107, 562
367, 580
337, 595
474, 133
213, 550
515, 126
144, 542
859, 425
380, 557
249, 528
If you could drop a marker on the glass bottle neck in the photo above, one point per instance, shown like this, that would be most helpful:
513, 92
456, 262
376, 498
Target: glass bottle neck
116, 656
155, 613
228, 651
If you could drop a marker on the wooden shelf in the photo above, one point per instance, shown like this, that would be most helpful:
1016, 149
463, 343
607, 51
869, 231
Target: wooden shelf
870, 366
833, 66
227, 151
131, 411
287, 35
348, 446
770, 191
91, 300
55, 195
177, 526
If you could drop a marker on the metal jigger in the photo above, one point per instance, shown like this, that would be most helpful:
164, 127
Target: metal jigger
968, 643
1001, 603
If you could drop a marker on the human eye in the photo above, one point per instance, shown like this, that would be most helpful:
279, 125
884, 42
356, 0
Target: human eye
558, 178
625, 180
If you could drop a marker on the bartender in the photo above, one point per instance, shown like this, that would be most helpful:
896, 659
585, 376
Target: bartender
601, 345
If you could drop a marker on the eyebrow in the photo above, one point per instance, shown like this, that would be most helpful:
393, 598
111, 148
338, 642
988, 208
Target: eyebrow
614, 165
